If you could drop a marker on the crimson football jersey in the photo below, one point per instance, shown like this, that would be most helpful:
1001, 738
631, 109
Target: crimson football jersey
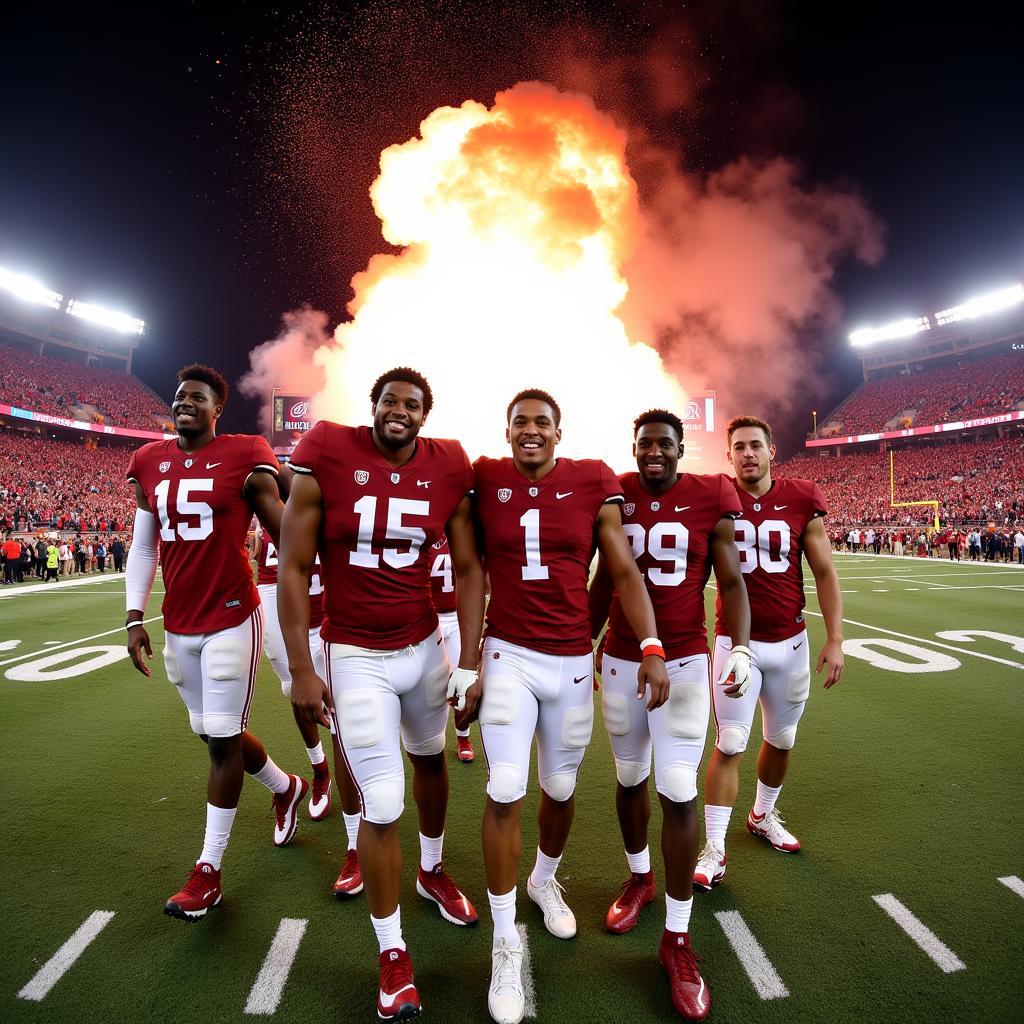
538, 539
769, 539
670, 535
442, 577
266, 573
377, 530
203, 517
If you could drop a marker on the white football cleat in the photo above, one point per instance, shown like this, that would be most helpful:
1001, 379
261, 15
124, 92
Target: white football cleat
770, 827
558, 918
506, 1000
710, 869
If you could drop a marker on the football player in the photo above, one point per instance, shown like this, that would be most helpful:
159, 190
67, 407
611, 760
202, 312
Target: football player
442, 592
679, 526
196, 494
539, 519
372, 501
782, 520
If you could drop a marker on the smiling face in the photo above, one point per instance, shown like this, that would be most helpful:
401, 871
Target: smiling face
658, 450
398, 414
195, 409
751, 454
532, 434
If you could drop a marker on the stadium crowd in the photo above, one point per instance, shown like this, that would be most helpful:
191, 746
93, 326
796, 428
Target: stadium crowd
58, 387
984, 387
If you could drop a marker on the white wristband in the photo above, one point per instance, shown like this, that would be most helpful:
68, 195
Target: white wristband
651, 641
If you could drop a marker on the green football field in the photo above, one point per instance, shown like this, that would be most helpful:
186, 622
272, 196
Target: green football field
905, 784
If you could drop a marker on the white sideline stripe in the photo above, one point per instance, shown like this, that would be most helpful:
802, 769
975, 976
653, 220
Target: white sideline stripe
64, 959
924, 937
1013, 883
266, 992
41, 588
529, 991
762, 974
71, 643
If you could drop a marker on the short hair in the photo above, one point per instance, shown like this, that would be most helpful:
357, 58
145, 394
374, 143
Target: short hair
747, 421
540, 395
658, 416
409, 376
208, 375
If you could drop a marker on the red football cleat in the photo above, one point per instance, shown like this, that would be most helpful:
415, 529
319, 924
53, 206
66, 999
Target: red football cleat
320, 800
350, 881
689, 993
200, 892
286, 810
397, 998
437, 887
465, 745
634, 894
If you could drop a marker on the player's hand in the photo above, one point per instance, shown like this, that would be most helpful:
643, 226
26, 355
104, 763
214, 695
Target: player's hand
832, 655
459, 683
311, 699
469, 714
738, 668
654, 674
138, 641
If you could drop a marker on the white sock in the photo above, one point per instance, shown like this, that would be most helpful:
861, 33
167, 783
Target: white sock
272, 777
218, 831
544, 869
389, 930
503, 913
316, 754
716, 821
765, 800
352, 828
639, 863
463, 734
430, 851
677, 914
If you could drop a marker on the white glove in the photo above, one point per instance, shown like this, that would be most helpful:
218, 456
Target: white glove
737, 666
458, 683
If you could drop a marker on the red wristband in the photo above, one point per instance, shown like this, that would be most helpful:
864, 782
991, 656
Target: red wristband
653, 650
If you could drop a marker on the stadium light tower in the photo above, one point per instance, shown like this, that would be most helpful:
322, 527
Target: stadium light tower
28, 289
982, 305
123, 323
887, 332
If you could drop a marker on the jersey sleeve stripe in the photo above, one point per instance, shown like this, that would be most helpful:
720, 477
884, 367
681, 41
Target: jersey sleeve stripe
266, 467
300, 469
615, 499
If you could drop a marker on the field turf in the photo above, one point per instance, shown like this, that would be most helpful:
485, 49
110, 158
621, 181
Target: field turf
903, 782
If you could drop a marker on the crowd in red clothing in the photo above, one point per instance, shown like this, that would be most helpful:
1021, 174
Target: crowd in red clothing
59, 387
63, 485
983, 387
974, 482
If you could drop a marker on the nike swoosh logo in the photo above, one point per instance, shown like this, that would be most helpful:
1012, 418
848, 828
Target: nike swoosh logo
208, 893
700, 995
798, 646
387, 999
422, 483
779, 508
212, 465
580, 680
559, 496
682, 508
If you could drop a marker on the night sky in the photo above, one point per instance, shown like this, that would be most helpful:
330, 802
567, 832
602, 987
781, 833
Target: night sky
214, 173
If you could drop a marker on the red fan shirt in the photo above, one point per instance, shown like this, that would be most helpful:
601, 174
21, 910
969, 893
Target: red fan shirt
769, 539
378, 527
442, 577
266, 574
204, 520
538, 543
671, 538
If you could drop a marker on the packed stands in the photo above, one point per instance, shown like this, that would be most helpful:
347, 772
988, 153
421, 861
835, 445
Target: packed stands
60, 387
63, 484
975, 482
938, 394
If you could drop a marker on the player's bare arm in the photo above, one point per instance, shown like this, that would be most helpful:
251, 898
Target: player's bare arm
300, 531
629, 585
264, 498
600, 598
818, 552
469, 597
138, 637
732, 589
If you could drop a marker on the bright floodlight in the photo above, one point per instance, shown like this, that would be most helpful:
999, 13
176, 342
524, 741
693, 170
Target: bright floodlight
982, 305
28, 290
109, 318
897, 329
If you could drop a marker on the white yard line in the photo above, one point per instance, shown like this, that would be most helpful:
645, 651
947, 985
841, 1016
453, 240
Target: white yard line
71, 643
924, 937
41, 588
1013, 883
266, 992
64, 959
752, 957
529, 990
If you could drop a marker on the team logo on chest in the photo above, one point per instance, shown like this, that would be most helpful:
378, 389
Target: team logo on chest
757, 506
164, 466
361, 476
188, 463
504, 493
655, 505
629, 508
534, 491
395, 477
